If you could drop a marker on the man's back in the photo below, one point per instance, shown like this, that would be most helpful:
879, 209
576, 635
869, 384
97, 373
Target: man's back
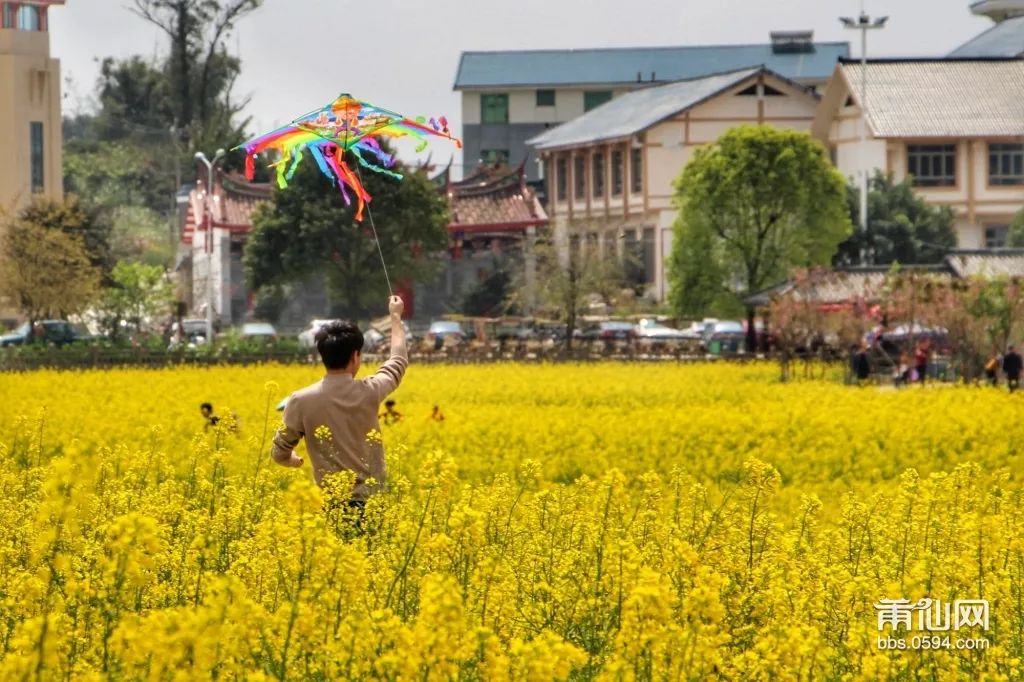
336, 414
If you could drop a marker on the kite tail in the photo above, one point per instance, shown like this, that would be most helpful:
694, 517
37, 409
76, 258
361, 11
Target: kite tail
250, 166
325, 168
295, 162
333, 161
362, 196
379, 169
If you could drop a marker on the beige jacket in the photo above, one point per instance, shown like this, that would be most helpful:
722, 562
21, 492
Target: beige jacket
347, 407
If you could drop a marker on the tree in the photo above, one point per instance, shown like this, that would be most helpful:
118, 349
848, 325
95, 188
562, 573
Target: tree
76, 220
902, 228
756, 204
570, 276
491, 295
307, 230
200, 72
45, 272
139, 293
1015, 239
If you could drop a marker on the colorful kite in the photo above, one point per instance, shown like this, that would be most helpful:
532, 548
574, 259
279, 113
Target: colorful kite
344, 125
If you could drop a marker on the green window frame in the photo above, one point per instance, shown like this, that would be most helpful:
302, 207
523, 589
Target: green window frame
595, 98
545, 98
494, 108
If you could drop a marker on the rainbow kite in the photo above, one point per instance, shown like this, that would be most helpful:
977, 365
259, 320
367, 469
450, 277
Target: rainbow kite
344, 125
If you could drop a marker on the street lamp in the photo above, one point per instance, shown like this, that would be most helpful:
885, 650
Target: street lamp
208, 243
863, 23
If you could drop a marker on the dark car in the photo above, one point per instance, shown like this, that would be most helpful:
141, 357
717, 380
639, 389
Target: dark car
56, 332
609, 331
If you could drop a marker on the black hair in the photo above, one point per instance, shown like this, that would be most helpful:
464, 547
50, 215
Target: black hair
337, 342
389, 403
206, 406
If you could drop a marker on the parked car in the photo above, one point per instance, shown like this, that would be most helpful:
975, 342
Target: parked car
656, 331
307, 338
259, 331
609, 331
444, 332
56, 332
724, 337
193, 331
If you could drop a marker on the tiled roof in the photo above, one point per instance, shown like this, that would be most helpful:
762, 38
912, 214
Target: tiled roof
621, 65
997, 263
842, 285
1005, 39
635, 111
233, 203
494, 200
942, 97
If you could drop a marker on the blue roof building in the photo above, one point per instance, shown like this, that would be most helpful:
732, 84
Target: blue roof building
1005, 39
509, 97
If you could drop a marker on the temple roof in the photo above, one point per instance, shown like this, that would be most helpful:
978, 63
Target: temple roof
234, 200
493, 199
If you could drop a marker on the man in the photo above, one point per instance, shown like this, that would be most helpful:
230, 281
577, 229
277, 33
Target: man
345, 406
390, 415
1012, 366
862, 363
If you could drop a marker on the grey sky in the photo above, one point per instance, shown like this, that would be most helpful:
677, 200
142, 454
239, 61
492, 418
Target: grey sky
402, 54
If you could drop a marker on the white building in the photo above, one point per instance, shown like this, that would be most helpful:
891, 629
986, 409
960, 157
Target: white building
611, 171
956, 126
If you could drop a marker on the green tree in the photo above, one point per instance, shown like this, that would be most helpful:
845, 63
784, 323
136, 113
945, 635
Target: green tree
1016, 237
307, 230
138, 294
45, 272
77, 220
490, 296
568, 278
902, 228
758, 202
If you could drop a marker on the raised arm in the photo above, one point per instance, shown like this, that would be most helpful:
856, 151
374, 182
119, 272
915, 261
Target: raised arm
386, 379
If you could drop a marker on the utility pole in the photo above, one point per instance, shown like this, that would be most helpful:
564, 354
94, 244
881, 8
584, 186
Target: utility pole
863, 23
208, 244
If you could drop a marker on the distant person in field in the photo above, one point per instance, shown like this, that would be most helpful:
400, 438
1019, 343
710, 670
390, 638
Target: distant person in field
390, 415
336, 414
206, 409
436, 414
862, 363
992, 368
1012, 365
921, 356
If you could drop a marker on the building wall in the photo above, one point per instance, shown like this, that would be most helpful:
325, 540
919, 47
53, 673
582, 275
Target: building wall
666, 149
30, 83
976, 203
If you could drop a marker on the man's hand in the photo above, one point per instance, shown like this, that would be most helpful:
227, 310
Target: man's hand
396, 307
294, 461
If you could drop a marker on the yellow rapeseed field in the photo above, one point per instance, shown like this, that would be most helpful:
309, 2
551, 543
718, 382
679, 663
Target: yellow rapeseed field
608, 522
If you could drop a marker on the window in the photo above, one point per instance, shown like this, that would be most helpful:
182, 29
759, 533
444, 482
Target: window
769, 91
748, 92
647, 253
636, 170
493, 157
579, 177
28, 18
1006, 164
494, 108
594, 99
8, 16
562, 178
932, 165
545, 98
616, 173
36, 142
598, 174
996, 236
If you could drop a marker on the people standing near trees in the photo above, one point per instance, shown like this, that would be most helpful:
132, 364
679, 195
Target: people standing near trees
1012, 365
921, 356
862, 363
992, 368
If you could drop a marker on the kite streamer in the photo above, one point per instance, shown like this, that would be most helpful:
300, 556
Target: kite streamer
344, 125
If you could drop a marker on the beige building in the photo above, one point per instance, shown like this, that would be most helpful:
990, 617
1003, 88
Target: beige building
511, 96
30, 109
956, 126
610, 172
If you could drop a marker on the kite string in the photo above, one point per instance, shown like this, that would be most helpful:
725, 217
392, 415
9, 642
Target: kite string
369, 214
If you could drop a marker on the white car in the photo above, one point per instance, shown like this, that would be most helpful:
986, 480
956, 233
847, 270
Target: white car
654, 330
307, 338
